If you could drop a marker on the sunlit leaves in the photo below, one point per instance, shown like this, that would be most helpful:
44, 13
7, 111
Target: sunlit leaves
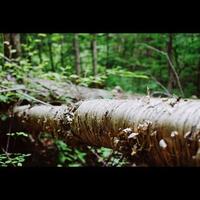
118, 71
17, 134
42, 34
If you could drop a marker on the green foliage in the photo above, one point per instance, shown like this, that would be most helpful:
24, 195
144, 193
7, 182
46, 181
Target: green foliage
69, 157
135, 60
13, 159
9, 97
118, 71
90, 81
3, 116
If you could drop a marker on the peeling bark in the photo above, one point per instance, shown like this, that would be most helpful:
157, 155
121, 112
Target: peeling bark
55, 120
162, 132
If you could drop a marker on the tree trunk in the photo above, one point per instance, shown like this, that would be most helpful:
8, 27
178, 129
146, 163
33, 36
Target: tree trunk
61, 51
171, 81
158, 132
94, 54
198, 74
77, 54
107, 51
39, 47
51, 53
12, 45
198, 79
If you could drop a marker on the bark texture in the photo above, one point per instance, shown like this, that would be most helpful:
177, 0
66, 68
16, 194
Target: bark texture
159, 132
55, 120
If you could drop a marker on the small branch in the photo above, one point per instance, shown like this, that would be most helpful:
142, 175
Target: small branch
24, 94
12, 89
95, 153
7, 59
33, 98
122, 157
162, 86
170, 63
7, 155
99, 158
109, 158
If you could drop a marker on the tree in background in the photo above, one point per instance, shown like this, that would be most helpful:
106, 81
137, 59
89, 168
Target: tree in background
171, 81
12, 45
94, 54
39, 47
77, 54
51, 53
62, 50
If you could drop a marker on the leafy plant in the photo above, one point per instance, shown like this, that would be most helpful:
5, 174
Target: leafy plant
13, 159
69, 157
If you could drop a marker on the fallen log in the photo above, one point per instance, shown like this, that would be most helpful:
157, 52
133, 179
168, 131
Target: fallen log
49, 90
68, 90
160, 132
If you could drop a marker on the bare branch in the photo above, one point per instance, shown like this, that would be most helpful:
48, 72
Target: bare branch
162, 86
7, 59
24, 94
12, 89
170, 63
7, 155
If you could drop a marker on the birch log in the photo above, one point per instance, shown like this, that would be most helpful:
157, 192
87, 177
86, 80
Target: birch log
160, 132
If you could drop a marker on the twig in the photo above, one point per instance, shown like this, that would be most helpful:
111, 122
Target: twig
12, 89
161, 93
7, 155
30, 97
7, 59
97, 155
170, 63
33, 98
109, 158
162, 86
94, 152
122, 157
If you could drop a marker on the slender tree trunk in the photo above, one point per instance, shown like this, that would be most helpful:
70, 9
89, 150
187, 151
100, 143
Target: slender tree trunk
51, 53
61, 51
2, 49
77, 54
154, 131
171, 81
198, 74
12, 45
39, 47
107, 50
198, 79
94, 54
